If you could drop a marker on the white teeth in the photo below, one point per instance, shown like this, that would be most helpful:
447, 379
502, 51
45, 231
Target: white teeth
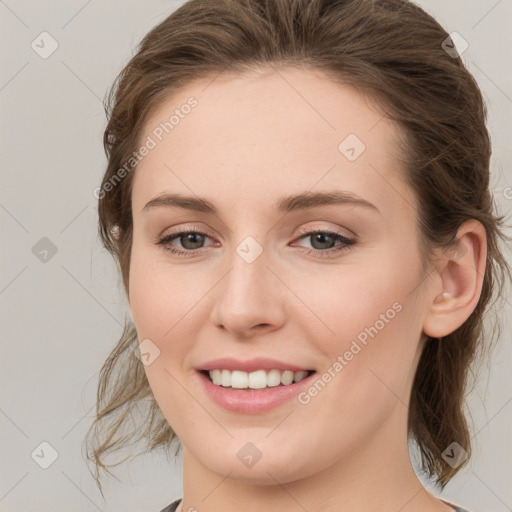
225, 377
255, 380
273, 378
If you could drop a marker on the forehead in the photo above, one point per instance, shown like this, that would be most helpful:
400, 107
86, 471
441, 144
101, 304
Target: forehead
249, 138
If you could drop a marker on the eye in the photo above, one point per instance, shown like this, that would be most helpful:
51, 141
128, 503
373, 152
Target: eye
190, 240
323, 240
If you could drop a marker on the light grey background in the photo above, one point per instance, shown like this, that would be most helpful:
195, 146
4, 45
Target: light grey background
60, 319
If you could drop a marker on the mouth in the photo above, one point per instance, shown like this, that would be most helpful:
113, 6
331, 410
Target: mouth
255, 381
266, 390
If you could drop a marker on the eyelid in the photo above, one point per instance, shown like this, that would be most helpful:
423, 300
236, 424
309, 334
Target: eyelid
347, 241
322, 228
193, 228
302, 231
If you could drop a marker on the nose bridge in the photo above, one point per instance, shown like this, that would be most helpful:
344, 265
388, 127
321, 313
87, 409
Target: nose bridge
247, 283
248, 295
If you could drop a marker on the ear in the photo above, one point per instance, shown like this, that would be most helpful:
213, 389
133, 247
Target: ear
461, 270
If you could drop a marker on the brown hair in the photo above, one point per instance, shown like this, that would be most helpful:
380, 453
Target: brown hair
392, 51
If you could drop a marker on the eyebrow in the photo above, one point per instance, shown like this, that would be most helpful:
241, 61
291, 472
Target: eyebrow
287, 204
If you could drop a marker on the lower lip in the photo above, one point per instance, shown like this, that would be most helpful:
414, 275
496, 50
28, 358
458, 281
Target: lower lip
252, 401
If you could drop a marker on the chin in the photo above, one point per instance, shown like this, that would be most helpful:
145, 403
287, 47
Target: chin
266, 471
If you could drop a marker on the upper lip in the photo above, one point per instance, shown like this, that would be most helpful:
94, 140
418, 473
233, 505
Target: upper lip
251, 365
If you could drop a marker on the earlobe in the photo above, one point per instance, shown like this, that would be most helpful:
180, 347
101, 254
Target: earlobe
461, 270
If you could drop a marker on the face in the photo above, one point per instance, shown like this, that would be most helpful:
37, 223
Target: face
333, 287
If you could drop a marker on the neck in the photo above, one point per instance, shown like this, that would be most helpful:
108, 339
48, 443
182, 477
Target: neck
376, 477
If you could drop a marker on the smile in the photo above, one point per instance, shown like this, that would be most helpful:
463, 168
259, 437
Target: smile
250, 400
259, 379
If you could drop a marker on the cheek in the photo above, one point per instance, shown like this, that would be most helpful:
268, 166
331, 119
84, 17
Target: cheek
370, 318
162, 297
161, 304
355, 297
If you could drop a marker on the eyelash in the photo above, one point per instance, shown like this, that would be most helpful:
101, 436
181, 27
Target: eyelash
346, 245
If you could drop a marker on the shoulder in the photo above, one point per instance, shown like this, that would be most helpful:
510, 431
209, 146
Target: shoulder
174, 505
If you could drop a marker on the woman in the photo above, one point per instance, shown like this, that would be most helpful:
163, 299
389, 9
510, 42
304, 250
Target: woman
297, 193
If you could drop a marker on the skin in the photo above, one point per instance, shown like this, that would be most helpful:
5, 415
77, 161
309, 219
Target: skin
252, 139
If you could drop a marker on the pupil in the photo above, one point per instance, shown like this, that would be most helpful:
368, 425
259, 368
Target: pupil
190, 238
321, 237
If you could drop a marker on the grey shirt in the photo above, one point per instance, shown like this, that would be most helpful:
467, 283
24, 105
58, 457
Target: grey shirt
174, 505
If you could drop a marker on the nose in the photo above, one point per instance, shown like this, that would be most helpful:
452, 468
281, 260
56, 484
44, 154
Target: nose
250, 299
